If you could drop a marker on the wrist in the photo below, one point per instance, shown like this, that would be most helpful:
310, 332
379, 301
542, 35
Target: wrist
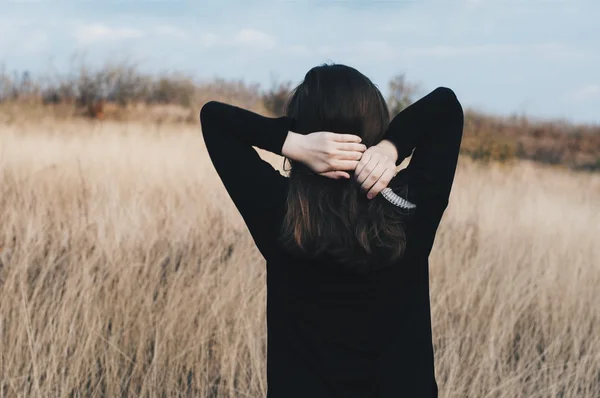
389, 148
292, 146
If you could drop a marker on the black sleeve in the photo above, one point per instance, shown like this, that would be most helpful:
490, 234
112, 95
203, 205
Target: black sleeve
257, 189
433, 128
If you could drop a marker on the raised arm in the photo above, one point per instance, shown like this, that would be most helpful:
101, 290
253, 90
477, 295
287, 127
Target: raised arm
432, 127
256, 188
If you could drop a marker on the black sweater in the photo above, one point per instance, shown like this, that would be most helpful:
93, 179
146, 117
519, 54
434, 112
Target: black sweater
331, 332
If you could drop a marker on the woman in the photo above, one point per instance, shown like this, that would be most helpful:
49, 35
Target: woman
348, 311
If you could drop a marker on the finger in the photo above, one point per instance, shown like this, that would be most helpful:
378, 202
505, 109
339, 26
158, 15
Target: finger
375, 175
368, 169
348, 155
336, 175
344, 165
351, 146
346, 138
364, 160
383, 182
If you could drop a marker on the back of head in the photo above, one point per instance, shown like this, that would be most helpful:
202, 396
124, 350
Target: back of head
333, 217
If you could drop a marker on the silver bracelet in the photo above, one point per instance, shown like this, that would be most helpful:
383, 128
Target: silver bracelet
396, 200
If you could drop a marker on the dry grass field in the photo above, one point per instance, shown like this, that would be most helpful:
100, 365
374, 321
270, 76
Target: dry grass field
125, 271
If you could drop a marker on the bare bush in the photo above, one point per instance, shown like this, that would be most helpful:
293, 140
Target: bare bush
121, 91
402, 93
276, 98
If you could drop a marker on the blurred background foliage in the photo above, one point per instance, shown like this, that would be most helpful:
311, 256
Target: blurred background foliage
122, 91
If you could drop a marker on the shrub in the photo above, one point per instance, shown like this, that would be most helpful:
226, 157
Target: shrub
402, 94
277, 97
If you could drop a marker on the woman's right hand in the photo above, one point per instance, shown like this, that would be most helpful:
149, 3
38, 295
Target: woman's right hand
377, 167
328, 154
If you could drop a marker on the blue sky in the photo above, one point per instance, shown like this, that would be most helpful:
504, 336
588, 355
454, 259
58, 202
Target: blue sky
540, 58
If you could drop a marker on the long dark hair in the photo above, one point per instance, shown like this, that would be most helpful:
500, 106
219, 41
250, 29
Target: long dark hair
334, 217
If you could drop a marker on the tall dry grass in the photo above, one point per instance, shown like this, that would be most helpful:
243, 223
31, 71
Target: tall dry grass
125, 271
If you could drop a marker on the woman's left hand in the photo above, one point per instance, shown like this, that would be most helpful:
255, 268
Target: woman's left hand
376, 168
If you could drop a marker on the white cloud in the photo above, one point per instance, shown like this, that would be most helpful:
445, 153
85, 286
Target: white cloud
364, 49
205, 39
19, 38
550, 50
326, 50
244, 38
298, 50
560, 51
172, 31
455, 51
585, 93
371, 49
86, 34
374, 49
208, 39
254, 39
33, 42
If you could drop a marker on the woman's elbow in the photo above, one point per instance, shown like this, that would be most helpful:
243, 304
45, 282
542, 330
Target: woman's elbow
451, 103
207, 111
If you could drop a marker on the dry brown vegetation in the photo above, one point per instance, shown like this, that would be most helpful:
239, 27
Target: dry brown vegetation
126, 271
120, 91
518, 137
